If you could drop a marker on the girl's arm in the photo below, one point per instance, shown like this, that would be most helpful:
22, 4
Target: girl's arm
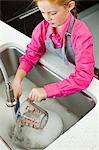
35, 49
84, 69
17, 87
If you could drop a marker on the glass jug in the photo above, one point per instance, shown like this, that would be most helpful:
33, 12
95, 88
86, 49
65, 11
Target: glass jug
32, 115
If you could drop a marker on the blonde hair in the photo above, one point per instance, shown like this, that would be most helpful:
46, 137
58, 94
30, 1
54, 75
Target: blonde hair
62, 2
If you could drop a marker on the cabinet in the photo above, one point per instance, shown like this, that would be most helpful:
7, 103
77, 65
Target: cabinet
84, 4
25, 23
12, 8
22, 15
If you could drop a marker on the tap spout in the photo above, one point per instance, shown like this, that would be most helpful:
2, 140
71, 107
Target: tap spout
9, 91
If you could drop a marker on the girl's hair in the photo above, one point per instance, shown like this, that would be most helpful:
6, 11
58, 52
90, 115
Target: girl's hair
62, 2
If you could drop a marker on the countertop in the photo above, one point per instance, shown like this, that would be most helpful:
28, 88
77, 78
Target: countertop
3, 145
84, 135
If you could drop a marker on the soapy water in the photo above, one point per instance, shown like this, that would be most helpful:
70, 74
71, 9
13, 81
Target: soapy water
18, 138
60, 120
31, 138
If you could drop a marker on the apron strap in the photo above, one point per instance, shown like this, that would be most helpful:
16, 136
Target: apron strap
68, 49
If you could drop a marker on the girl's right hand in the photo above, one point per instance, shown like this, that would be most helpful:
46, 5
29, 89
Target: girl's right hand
17, 88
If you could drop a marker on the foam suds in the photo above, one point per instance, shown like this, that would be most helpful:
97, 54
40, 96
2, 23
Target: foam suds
59, 121
28, 137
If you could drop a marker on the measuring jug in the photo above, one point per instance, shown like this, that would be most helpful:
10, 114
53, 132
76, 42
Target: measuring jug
32, 115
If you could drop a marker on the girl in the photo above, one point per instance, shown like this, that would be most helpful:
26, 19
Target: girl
59, 31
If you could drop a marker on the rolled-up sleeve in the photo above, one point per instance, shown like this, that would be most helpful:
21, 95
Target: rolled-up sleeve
35, 49
82, 43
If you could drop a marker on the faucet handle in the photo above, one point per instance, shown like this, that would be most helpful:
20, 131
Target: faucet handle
10, 95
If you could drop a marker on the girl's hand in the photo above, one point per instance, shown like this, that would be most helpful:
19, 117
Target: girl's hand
17, 88
37, 94
16, 85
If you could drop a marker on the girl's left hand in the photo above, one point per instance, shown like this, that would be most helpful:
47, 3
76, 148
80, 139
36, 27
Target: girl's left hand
37, 94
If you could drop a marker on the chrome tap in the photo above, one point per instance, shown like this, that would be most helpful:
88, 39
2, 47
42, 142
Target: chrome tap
9, 91
10, 95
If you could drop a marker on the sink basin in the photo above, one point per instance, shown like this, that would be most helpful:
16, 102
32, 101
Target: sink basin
70, 109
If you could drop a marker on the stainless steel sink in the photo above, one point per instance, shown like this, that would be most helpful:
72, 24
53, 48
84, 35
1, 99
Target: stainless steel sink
76, 105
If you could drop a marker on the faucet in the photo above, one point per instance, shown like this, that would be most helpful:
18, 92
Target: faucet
9, 91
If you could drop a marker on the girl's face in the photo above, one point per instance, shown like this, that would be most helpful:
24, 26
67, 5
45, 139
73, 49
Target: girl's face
54, 14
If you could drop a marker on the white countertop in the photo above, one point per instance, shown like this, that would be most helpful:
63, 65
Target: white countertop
84, 135
3, 145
